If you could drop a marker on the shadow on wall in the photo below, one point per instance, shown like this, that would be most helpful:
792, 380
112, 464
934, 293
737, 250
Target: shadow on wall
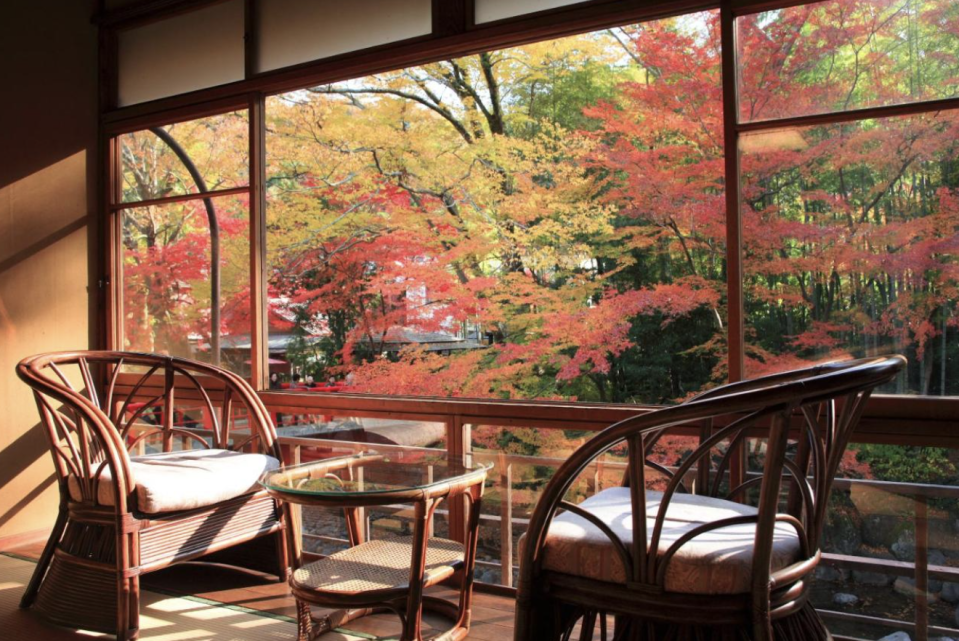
15, 459
8, 262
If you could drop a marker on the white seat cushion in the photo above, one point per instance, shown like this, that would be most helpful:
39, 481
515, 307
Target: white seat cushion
715, 562
174, 481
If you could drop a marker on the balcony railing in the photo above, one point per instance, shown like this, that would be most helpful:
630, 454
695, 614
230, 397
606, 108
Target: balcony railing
502, 518
910, 605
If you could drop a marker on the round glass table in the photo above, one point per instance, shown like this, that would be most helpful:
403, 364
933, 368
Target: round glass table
387, 574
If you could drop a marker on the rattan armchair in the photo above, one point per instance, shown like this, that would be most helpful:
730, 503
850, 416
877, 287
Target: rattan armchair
190, 494
684, 563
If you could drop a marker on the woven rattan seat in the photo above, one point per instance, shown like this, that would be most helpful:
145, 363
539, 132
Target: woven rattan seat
379, 565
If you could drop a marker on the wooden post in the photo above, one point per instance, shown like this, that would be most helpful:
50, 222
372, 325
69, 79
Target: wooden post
431, 524
296, 513
922, 569
592, 481
168, 407
360, 515
702, 468
457, 445
506, 519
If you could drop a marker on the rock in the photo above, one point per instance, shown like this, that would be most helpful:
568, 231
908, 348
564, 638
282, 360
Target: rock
831, 574
872, 578
904, 586
943, 536
844, 598
950, 592
842, 531
883, 530
487, 575
904, 551
907, 587
936, 557
904, 548
941, 533
896, 636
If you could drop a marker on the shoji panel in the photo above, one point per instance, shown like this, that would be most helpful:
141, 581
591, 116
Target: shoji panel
490, 10
189, 51
295, 31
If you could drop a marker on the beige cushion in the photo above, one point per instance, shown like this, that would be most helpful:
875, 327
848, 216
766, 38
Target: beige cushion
174, 481
715, 562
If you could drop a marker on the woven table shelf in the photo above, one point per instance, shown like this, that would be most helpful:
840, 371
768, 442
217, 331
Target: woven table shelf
379, 565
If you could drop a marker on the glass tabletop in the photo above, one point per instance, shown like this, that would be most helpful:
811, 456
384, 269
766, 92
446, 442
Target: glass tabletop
371, 473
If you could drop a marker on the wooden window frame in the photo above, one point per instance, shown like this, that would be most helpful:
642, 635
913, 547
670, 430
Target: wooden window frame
889, 419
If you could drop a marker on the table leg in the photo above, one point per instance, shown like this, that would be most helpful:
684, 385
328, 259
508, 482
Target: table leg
304, 622
355, 525
310, 628
472, 501
412, 626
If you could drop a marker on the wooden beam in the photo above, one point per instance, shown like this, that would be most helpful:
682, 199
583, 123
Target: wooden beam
565, 21
851, 115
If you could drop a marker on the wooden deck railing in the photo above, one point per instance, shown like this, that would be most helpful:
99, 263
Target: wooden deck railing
503, 517
884, 425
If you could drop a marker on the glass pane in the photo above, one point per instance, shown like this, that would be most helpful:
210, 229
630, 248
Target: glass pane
167, 275
887, 502
524, 459
374, 472
850, 246
295, 31
484, 226
190, 51
324, 437
161, 161
489, 10
846, 54
870, 520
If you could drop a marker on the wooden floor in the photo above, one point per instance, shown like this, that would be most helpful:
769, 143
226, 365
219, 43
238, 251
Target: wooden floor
492, 615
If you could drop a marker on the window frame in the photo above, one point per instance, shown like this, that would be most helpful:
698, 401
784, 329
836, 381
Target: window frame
888, 419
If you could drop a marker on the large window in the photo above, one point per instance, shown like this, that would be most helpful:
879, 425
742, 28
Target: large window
549, 221
484, 226
577, 220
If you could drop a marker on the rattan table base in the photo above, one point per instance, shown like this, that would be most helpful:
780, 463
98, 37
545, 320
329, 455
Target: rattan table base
388, 574
373, 578
378, 565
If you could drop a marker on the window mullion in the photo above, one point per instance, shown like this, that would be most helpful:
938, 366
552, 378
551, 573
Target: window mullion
734, 271
735, 342
259, 356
